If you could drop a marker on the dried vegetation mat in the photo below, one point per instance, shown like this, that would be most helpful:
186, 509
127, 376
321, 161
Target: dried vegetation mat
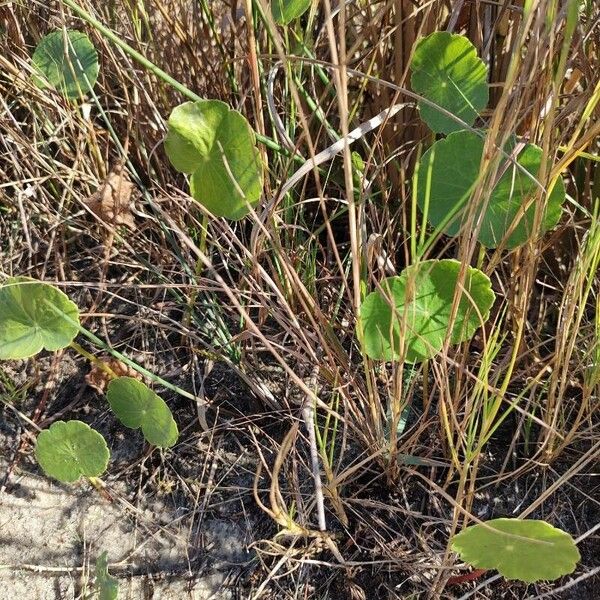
314, 459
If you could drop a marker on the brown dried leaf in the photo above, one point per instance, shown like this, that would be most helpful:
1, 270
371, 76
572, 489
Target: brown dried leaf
112, 201
98, 379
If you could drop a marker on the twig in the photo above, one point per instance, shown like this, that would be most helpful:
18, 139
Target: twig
482, 585
567, 585
308, 413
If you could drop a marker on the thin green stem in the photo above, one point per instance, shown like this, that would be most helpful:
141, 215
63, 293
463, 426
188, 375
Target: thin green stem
93, 359
187, 318
130, 363
104, 346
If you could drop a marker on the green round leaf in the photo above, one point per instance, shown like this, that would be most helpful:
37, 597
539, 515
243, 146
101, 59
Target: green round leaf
34, 316
216, 146
447, 71
136, 405
285, 11
448, 173
422, 298
67, 451
67, 61
527, 550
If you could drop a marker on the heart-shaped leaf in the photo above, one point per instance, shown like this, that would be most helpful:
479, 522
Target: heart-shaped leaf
447, 71
527, 550
448, 173
70, 450
416, 307
285, 11
216, 146
67, 61
108, 586
34, 316
136, 405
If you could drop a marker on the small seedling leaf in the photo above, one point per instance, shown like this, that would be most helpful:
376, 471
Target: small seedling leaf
422, 298
285, 11
216, 145
448, 173
70, 450
34, 316
107, 585
447, 71
136, 405
66, 61
527, 550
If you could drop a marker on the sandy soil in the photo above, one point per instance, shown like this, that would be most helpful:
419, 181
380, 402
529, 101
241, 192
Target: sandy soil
50, 536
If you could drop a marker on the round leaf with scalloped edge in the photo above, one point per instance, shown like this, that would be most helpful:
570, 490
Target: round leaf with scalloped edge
216, 146
448, 173
447, 71
34, 316
416, 307
527, 550
136, 405
67, 61
69, 450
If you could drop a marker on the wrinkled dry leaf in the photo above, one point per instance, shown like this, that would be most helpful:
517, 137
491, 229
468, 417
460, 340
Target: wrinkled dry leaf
98, 379
112, 202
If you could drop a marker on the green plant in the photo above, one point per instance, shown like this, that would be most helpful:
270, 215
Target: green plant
35, 316
528, 550
67, 61
298, 285
447, 71
448, 74
106, 584
285, 11
68, 451
216, 146
411, 314
449, 172
136, 405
